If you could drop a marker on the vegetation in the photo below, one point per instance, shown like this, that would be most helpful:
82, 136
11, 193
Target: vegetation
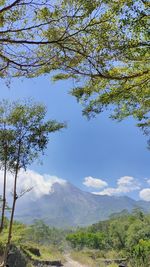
42, 234
126, 236
24, 135
48, 245
103, 46
122, 237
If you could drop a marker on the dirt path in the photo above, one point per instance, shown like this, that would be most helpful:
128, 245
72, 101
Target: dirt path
71, 263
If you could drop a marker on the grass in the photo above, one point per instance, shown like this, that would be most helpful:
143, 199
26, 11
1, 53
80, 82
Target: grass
48, 252
95, 258
88, 257
83, 258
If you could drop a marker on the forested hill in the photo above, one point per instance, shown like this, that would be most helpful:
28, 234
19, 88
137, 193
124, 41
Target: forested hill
67, 205
125, 236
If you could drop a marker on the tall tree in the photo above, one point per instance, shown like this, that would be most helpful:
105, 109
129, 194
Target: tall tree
27, 121
103, 45
7, 138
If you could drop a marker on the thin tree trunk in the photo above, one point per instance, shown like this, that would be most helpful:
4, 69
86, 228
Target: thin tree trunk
4, 181
4, 199
15, 197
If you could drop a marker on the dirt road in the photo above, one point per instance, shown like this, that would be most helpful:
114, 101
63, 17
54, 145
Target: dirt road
71, 263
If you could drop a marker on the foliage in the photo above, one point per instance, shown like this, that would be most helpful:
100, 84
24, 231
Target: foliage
25, 134
141, 253
6, 148
90, 240
51, 241
23, 238
128, 235
108, 56
42, 234
102, 45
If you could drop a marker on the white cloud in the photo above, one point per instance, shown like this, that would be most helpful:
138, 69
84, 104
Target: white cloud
148, 181
145, 194
110, 191
94, 182
125, 184
42, 184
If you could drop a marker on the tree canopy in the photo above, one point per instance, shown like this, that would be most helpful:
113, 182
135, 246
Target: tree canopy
24, 136
103, 46
129, 234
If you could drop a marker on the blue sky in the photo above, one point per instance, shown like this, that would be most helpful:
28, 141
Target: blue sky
99, 148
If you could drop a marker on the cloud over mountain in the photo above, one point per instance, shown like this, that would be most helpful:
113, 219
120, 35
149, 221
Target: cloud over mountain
40, 184
125, 184
94, 182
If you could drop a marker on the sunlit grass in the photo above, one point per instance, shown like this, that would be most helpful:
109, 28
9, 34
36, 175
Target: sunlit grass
47, 252
83, 258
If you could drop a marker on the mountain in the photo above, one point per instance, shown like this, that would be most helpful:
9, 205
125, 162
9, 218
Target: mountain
67, 205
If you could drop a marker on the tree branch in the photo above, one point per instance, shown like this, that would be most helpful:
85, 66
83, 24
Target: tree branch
10, 6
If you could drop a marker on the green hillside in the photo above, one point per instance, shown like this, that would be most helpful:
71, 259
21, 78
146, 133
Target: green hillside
124, 237
36, 242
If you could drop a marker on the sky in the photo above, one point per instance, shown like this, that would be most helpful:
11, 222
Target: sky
100, 155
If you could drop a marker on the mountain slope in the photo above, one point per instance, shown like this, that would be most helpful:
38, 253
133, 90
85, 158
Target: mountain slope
66, 205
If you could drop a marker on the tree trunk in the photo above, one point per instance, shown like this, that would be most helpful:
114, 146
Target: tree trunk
15, 197
4, 199
5, 146
10, 231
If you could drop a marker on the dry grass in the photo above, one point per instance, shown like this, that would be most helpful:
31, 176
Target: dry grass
83, 258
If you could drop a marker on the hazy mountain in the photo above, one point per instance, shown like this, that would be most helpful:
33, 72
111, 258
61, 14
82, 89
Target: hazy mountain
67, 205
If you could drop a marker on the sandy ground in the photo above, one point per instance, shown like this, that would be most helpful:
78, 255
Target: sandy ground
71, 263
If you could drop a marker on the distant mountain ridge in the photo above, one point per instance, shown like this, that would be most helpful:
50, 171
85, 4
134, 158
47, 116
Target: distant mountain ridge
67, 205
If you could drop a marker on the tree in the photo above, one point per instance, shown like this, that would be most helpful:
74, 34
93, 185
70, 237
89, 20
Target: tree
140, 253
102, 45
34, 34
113, 62
31, 135
82, 239
7, 137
